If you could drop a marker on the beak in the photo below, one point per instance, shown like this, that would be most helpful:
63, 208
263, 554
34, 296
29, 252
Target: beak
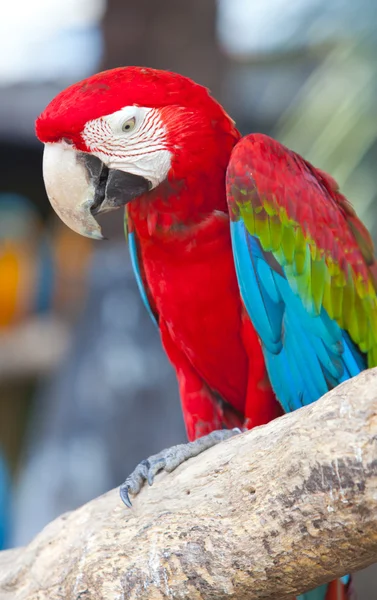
80, 186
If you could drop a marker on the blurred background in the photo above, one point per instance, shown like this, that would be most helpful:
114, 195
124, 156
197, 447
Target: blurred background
85, 389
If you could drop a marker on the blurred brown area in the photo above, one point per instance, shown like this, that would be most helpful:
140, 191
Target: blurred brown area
168, 34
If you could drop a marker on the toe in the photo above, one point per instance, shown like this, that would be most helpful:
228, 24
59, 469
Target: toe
134, 482
154, 467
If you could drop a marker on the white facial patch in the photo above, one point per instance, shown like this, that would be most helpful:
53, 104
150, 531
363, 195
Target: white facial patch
132, 139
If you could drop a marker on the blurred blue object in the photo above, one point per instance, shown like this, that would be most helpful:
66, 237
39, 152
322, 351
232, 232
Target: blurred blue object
275, 26
44, 287
5, 506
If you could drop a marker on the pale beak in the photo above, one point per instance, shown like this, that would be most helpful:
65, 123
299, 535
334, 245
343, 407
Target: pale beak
79, 186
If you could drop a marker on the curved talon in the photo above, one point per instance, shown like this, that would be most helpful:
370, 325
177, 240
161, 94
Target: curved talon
123, 491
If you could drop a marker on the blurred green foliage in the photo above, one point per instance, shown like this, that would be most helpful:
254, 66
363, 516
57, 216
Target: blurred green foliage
332, 122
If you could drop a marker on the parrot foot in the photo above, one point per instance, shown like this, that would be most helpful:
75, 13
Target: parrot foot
168, 460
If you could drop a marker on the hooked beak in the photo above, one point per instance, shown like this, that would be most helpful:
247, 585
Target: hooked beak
80, 186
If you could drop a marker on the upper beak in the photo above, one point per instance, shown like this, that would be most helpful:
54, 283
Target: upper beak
79, 186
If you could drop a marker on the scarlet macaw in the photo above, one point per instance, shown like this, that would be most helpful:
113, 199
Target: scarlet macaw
255, 268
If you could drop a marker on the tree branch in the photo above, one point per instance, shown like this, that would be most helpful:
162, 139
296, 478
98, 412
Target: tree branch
267, 514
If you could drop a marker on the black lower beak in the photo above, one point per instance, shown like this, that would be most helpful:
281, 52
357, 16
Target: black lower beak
116, 189
113, 188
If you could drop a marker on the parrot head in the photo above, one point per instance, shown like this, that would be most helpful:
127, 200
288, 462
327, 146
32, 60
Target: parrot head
124, 133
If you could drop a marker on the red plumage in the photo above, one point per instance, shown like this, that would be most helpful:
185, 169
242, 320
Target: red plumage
184, 242
189, 272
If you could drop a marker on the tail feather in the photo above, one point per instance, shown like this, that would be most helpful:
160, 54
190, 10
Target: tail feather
317, 594
340, 589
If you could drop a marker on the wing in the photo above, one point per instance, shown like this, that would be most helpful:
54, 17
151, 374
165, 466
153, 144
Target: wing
137, 267
305, 267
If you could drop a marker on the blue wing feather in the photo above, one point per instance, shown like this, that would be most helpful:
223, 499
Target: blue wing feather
136, 269
267, 314
306, 354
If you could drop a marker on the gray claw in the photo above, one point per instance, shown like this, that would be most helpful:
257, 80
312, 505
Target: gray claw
123, 490
168, 460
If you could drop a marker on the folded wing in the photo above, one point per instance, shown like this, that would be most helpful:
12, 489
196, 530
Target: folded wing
305, 267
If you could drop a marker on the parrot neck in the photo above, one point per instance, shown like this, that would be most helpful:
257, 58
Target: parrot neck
175, 209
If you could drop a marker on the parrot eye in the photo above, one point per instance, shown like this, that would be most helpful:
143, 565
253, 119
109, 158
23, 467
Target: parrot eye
129, 125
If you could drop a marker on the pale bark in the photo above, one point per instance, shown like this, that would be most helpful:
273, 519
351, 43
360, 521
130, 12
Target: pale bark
267, 514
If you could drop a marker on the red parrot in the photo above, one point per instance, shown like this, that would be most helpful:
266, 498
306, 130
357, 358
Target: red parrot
259, 275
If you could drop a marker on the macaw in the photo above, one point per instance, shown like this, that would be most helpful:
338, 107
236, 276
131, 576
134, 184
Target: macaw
256, 270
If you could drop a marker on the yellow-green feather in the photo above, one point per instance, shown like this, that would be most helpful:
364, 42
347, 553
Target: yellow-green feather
314, 275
